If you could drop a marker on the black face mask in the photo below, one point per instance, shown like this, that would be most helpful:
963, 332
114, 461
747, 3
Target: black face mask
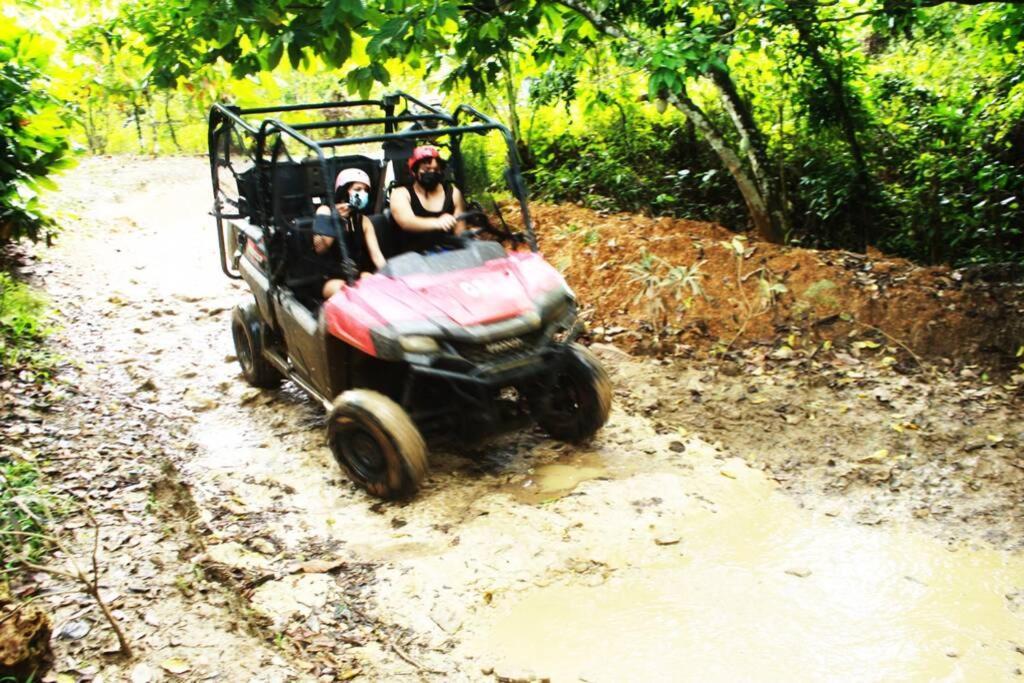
430, 179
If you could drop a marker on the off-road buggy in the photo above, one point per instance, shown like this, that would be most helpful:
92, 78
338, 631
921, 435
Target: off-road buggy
460, 343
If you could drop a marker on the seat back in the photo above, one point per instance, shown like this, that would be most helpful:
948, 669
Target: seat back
296, 188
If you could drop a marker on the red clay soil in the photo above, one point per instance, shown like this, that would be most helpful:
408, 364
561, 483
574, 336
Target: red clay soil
818, 295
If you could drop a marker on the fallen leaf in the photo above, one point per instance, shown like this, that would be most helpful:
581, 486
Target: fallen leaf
176, 665
878, 456
320, 566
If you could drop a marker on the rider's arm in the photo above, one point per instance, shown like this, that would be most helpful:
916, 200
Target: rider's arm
376, 255
401, 211
321, 243
460, 208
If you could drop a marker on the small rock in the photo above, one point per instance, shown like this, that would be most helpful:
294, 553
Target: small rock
782, 353
74, 630
869, 518
445, 618
262, 545
249, 395
677, 446
230, 358
801, 572
142, 673
667, 539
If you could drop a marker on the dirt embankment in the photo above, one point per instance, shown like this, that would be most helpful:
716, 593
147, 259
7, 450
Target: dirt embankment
733, 292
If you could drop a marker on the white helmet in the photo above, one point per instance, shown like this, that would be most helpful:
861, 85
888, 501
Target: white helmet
351, 175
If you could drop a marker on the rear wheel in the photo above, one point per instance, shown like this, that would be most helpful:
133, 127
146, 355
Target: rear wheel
247, 331
577, 403
377, 444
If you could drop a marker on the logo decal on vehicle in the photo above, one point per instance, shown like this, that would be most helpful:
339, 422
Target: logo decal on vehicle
504, 345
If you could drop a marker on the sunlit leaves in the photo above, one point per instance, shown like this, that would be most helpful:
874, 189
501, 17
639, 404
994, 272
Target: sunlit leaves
33, 133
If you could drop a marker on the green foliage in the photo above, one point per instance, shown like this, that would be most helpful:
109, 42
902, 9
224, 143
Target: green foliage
33, 133
24, 324
26, 508
891, 123
629, 158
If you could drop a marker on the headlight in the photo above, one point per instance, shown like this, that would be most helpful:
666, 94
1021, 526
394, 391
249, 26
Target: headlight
418, 343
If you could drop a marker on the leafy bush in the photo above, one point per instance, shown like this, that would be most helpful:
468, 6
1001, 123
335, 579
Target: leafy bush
628, 158
33, 133
23, 325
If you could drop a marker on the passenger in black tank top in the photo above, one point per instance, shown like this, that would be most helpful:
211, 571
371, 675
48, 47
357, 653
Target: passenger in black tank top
426, 208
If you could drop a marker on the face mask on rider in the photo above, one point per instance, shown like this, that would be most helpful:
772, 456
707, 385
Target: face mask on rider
430, 179
359, 199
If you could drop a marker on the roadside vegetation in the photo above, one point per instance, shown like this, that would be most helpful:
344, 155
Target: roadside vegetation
898, 125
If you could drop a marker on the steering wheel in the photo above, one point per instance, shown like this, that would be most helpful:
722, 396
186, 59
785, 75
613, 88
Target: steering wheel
476, 217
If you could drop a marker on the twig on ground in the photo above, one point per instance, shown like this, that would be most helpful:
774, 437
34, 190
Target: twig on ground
894, 340
398, 651
90, 581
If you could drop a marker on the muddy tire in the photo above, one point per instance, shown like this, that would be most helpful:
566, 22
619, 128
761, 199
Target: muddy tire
247, 331
578, 403
376, 443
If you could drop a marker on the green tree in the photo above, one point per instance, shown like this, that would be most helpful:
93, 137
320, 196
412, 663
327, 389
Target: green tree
33, 133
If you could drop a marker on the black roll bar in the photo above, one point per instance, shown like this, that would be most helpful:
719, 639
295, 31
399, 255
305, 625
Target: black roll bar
221, 114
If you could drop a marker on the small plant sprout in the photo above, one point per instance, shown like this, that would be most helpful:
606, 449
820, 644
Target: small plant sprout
661, 282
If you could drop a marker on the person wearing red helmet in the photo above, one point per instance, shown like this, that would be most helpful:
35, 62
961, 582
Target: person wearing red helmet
426, 208
351, 198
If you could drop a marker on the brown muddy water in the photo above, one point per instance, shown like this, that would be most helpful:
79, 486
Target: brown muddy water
764, 590
638, 557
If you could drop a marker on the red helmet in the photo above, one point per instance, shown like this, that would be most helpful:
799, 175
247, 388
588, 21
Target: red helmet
421, 153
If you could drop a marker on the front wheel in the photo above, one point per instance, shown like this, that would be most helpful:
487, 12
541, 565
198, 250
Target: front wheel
377, 444
576, 404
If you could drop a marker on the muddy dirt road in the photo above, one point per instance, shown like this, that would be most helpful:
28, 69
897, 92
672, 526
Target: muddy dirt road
765, 517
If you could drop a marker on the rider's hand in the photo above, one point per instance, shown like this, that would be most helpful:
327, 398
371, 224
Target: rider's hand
446, 222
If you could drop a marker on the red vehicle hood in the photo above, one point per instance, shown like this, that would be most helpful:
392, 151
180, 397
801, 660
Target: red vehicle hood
499, 289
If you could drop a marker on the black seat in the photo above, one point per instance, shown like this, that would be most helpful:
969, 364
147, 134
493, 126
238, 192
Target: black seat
298, 186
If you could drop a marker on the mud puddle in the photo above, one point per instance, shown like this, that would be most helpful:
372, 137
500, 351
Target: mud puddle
756, 588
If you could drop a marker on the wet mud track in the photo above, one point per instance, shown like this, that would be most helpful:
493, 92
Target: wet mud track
749, 519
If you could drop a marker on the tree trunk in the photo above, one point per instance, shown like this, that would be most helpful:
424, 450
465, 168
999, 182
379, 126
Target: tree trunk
760, 216
753, 144
170, 122
804, 20
510, 96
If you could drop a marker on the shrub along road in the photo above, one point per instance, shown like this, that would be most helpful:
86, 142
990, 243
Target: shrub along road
755, 516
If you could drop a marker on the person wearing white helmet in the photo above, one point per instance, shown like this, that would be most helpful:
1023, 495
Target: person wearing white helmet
351, 198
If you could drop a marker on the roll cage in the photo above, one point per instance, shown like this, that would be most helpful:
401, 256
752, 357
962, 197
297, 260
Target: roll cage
264, 196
